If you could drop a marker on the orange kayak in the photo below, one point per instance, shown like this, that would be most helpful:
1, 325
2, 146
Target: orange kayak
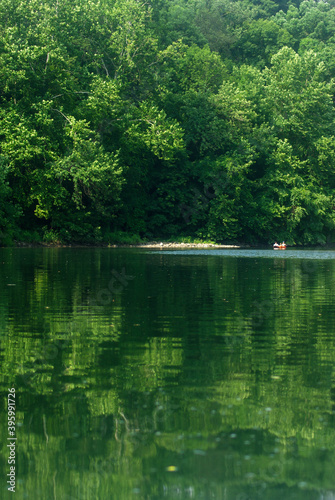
280, 247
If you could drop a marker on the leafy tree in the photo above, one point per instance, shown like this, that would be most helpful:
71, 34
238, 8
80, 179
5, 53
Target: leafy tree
298, 97
259, 41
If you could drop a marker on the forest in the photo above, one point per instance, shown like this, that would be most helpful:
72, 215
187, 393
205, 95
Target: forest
124, 121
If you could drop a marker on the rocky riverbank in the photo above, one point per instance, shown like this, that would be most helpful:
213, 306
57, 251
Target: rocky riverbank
161, 245
153, 244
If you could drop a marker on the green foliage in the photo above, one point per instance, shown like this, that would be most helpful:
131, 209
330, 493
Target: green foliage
8, 211
28, 237
298, 98
92, 172
260, 40
121, 238
121, 117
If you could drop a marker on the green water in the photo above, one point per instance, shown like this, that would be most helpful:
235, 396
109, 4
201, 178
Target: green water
169, 375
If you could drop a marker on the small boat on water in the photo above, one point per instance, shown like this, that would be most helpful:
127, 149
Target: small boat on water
279, 246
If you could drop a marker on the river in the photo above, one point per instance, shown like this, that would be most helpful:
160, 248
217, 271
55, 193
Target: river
169, 374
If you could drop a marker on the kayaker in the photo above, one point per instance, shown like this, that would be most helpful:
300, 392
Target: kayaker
275, 245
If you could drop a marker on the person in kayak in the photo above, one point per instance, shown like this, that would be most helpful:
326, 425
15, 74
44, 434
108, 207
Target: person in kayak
275, 245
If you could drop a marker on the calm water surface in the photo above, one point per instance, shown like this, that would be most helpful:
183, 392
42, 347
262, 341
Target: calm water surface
198, 374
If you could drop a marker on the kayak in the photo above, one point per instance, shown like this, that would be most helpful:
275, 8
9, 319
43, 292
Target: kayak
280, 247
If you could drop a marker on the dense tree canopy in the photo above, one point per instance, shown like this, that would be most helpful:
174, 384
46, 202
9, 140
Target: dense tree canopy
165, 119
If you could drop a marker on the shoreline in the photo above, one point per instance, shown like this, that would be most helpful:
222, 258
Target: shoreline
152, 245
158, 245
179, 245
